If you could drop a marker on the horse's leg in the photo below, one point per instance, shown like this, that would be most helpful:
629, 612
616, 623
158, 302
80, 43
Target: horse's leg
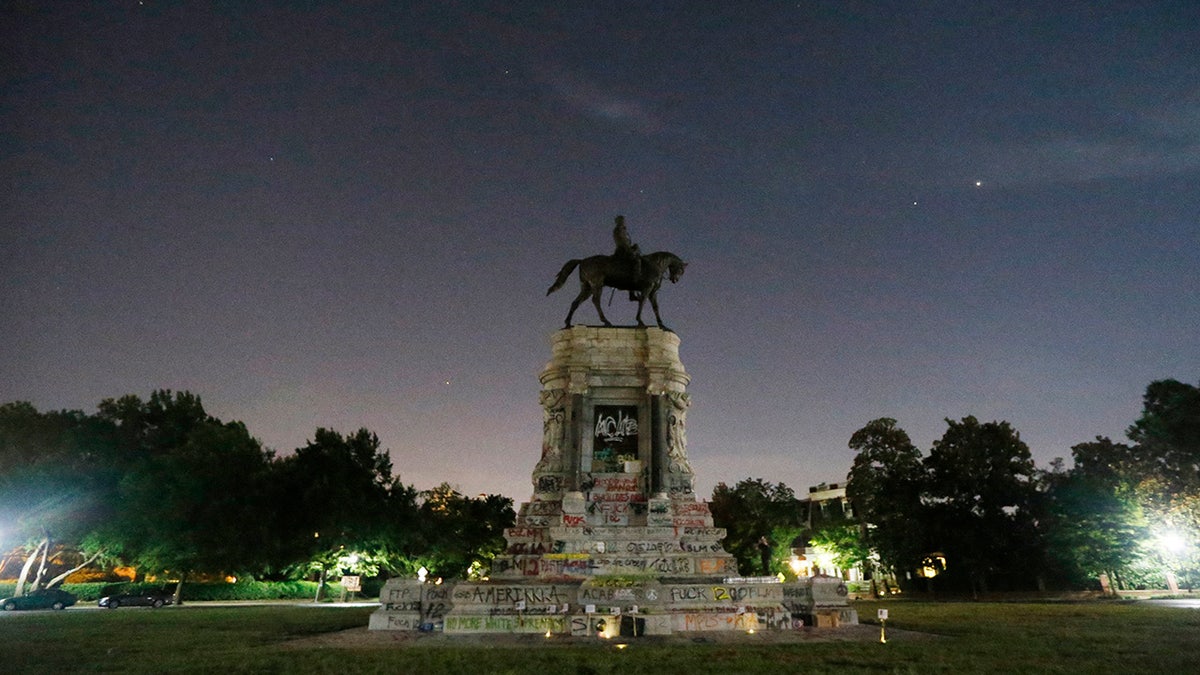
641, 303
654, 304
583, 293
596, 301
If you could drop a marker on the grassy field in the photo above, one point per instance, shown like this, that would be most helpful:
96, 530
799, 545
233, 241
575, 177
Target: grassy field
1073, 638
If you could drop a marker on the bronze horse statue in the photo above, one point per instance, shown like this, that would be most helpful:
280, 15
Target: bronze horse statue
599, 271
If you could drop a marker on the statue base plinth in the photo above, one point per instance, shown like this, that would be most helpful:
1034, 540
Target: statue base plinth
614, 540
623, 606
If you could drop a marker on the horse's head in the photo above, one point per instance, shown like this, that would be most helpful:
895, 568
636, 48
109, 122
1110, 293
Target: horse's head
675, 269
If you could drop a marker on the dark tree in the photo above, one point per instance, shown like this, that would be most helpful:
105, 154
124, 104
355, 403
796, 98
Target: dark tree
1093, 520
751, 512
982, 499
884, 487
193, 492
334, 499
1168, 433
57, 487
1108, 463
462, 535
156, 426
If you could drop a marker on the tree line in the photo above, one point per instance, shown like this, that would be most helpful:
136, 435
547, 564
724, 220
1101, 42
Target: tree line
974, 513
162, 486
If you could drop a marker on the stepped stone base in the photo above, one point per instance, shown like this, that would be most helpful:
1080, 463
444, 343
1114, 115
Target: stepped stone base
613, 529
611, 607
613, 540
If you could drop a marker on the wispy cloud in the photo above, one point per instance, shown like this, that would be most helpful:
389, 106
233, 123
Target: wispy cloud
595, 101
1157, 142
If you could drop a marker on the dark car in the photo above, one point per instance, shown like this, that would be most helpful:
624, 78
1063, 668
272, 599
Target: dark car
151, 598
46, 598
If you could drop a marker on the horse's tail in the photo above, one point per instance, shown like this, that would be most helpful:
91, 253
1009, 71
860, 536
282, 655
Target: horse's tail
563, 275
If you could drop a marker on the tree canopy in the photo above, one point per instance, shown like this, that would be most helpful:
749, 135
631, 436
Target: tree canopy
1128, 510
161, 485
884, 486
980, 494
752, 512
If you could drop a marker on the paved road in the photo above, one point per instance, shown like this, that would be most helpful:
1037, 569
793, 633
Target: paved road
91, 605
1184, 603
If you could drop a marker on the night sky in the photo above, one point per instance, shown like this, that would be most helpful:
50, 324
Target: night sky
347, 215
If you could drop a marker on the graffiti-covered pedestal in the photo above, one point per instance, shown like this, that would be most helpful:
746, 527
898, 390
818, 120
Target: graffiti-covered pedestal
613, 488
613, 540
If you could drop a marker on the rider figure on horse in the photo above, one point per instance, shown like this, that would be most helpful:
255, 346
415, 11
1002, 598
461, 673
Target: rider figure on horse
626, 269
627, 252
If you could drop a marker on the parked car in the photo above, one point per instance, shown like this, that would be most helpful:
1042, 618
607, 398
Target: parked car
150, 598
46, 598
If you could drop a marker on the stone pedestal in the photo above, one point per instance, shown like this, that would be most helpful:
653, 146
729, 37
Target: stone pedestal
613, 540
612, 493
614, 406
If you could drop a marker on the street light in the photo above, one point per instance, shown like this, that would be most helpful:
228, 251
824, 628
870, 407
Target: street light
1173, 542
797, 565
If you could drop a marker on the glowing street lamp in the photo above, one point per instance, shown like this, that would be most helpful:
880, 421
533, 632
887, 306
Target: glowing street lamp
1174, 545
797, 565
1173, 542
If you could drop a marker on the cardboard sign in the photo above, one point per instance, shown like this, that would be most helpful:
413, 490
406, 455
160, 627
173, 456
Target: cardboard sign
883, 615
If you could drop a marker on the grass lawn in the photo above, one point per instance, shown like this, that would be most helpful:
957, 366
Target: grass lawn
1094, 637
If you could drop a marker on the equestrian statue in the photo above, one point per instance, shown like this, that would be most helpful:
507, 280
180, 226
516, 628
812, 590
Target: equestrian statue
627, 270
